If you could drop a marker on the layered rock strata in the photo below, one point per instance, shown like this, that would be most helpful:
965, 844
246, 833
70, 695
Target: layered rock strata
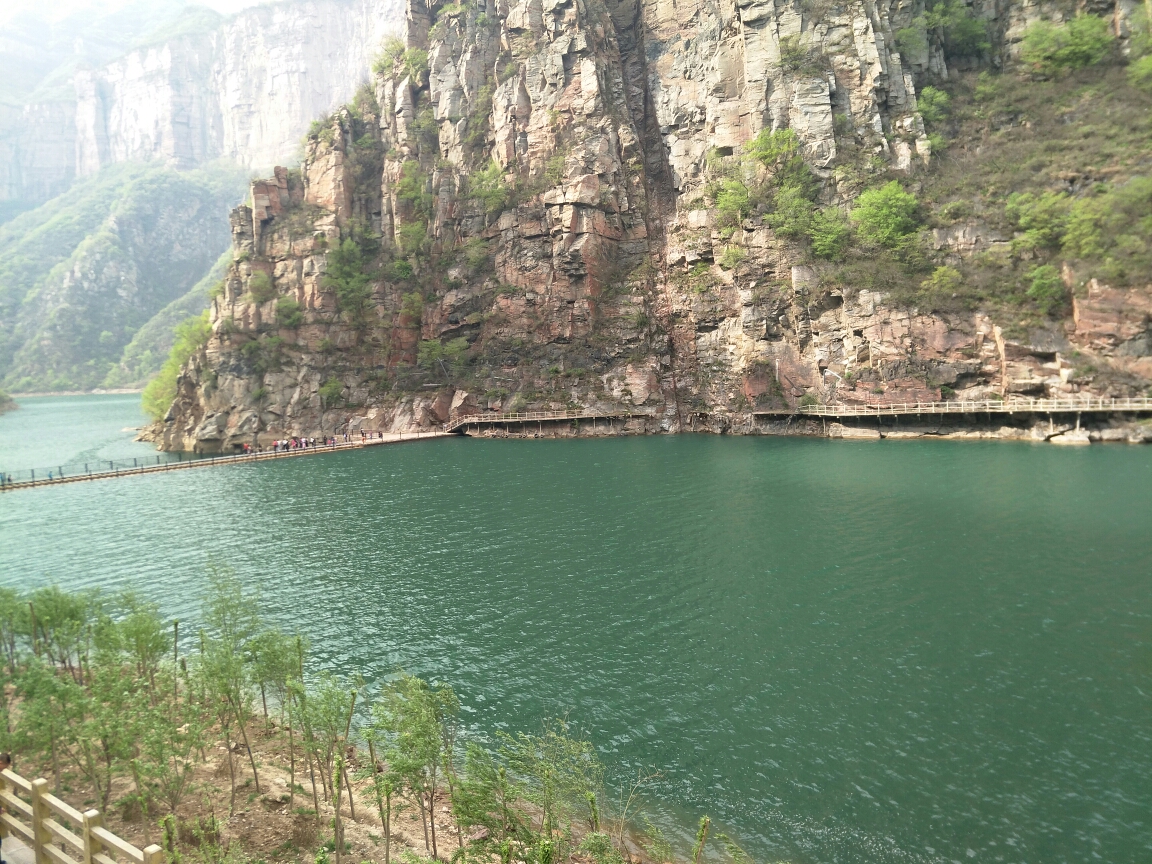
529, 213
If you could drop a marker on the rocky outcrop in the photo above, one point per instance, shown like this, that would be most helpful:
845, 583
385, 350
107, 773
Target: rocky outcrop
522, 220
244, 91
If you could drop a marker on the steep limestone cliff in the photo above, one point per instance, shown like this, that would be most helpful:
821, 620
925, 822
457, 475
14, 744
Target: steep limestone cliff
643, 206
244, 90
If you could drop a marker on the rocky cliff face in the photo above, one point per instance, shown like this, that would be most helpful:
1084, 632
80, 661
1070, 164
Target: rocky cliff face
245, 91
533, 214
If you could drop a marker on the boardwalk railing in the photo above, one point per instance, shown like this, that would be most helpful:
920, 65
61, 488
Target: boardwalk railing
531, 416
95, 470
60, 834
987, 406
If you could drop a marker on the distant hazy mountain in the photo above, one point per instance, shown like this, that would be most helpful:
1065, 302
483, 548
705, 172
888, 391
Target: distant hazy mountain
82, 274
167, 80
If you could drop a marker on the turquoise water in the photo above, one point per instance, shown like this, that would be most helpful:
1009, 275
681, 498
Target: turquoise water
46, 432
841, 651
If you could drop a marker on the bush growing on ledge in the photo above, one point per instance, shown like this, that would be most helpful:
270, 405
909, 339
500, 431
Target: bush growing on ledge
487, 187
1051, 49
346, 276
288, 313
190, 335
433, 353
330, 392
1047, 288
829, 233
260, 287
886, 216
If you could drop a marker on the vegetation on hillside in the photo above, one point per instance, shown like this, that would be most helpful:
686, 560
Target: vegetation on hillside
188, 337
105, 698
143, 357
80, 275
1048, 160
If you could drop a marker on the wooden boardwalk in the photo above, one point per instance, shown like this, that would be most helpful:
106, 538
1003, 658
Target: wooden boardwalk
461, 423
988, 406
57, 833
212, 461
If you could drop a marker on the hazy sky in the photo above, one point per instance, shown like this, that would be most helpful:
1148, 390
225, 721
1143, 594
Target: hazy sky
63, 8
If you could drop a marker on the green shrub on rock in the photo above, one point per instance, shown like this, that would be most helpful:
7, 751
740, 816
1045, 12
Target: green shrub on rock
288, 313
829, 233
886, 216
1140, 74
1054, 48
1047, 288
191, 334
330, 392
260, 287
934, 105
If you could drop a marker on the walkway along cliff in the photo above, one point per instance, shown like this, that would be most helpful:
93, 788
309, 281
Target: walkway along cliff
657, 209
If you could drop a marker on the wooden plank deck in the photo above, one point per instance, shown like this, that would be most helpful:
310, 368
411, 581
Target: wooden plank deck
988, 406
492, 419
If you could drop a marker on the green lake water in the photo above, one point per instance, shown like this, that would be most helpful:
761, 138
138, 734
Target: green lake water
841, 651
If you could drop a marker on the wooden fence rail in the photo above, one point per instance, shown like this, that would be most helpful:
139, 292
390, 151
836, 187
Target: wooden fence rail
59, 833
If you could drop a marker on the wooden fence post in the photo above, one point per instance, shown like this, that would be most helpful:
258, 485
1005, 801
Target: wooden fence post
153, 855
40, 835
92, 819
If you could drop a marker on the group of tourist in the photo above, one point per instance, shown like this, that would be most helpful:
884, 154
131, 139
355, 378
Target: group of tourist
304, 442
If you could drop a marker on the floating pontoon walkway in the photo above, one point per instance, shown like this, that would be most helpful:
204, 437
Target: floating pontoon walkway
96, 471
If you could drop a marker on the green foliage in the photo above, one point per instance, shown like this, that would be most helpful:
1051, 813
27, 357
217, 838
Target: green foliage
1042, 218
412, 187
1054, 48
412, 307
62, 267
347, 276
559, 771
912, 41
829, 233
416, 65
731, 202
886, 216
946, 280
260, 287
189, 337
934, 105
400, 271
432, 353
488, 187
731, 257
1140, 74
330, 392
1111, 227
792, 212
800, 56
145, 354
808, 400
289, 313
412, 238
1046, 288
390, 56
962, 33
